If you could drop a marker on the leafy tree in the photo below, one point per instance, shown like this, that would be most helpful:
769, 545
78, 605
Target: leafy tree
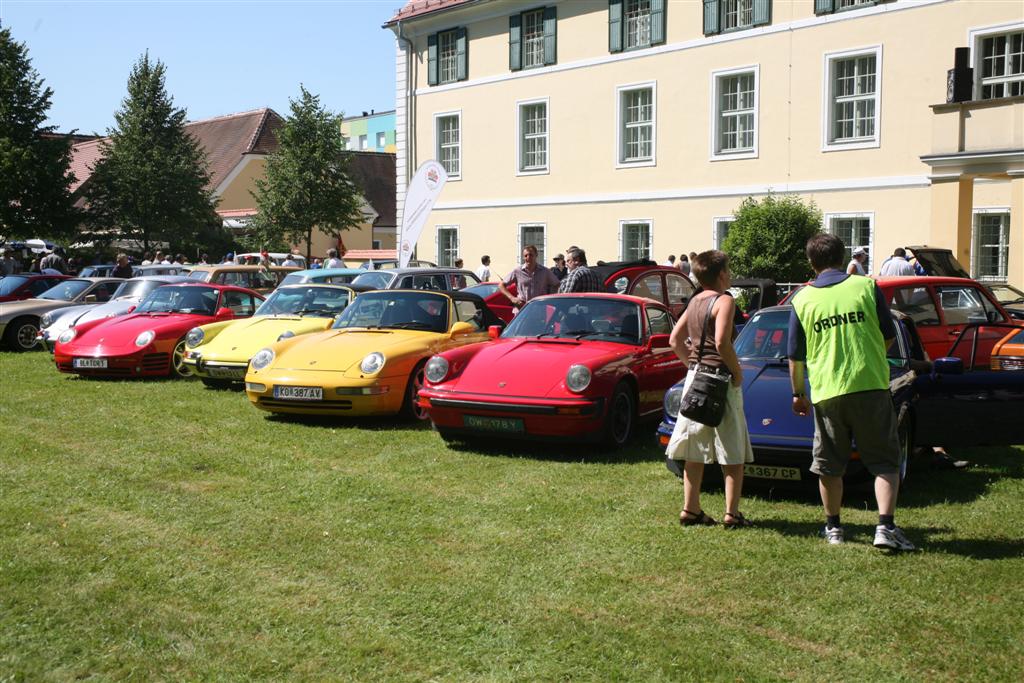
307, 186
35, 196
768, 237
150, 183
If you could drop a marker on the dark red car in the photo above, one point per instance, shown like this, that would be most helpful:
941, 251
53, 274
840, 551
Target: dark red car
150, 342
27, 285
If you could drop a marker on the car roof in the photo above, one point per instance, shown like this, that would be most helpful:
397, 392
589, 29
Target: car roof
603, 295
164, 278
237, 268
330, 271
306, 285
925, 280
419, 271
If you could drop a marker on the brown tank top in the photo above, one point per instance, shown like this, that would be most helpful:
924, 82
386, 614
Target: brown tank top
698, 310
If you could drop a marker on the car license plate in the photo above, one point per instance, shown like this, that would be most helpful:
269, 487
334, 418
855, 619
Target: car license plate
90, 363
226, 373
512, 425
769, 472
299, 393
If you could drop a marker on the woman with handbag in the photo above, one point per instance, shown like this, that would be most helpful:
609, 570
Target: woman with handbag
710, 426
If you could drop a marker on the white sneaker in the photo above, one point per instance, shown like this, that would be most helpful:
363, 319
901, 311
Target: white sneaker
893, 539
833, 535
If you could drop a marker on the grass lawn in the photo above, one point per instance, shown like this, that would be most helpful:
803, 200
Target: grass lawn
161, 530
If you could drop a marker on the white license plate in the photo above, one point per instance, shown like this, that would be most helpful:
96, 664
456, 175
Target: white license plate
299, 393
90, 363
226, 373
769, 472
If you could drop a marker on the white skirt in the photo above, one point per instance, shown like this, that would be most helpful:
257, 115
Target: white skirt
726, 444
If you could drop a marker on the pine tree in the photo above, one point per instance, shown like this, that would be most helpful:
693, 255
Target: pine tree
307, 186
150, 183
35, 196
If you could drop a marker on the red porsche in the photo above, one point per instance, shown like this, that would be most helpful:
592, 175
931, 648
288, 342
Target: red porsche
573, 366
150, 342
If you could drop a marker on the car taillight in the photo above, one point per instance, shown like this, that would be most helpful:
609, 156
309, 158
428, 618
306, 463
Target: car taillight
1007, 363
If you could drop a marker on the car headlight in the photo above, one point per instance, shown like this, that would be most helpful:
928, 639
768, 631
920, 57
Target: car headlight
262, 359
194, 337
67, 335
437, 369
46, 320
578, 378
287, 334
372, 363
144, 338
673, 400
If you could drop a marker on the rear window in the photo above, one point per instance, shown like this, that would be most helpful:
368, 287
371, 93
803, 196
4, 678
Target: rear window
11, 283
199, 275
917, 303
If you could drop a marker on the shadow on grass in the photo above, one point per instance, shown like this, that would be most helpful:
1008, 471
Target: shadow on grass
387, 423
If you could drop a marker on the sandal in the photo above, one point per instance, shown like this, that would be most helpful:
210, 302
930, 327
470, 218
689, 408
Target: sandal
696, 518
735, 521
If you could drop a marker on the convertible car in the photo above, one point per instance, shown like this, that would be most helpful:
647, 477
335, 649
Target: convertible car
577, 366
218, 353
150, 342
371, 360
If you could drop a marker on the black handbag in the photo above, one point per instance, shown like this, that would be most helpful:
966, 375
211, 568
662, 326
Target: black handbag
704, 401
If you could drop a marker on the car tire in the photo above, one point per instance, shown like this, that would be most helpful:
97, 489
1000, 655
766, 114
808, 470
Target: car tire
621, 416
178, 367
410, 405
20, 334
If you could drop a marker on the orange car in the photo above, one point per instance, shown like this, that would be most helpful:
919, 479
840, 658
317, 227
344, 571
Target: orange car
1008, 353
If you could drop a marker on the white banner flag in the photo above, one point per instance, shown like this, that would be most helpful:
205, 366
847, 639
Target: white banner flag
419, 200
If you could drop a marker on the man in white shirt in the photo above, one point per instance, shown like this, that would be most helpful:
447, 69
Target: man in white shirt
671, 262
332, 260
897, 265
484, 271
290, 261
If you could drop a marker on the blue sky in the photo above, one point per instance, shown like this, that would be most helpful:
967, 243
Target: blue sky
222, 56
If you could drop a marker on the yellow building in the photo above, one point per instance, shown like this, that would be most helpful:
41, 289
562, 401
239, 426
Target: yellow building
636, 127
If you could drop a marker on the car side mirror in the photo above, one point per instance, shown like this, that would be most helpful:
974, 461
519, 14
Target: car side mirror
494, 331
131, 309
948, 366
461, 329
225, 314
90, 298
658, 341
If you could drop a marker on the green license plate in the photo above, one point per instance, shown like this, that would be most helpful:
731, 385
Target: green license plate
512, 425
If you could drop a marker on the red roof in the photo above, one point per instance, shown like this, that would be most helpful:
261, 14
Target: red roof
371, 254
236, 213
417, 8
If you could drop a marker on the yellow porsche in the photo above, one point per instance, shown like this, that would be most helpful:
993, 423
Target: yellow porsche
219, 353
371, 360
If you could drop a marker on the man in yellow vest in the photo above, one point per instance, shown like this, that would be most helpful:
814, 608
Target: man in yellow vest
839, 331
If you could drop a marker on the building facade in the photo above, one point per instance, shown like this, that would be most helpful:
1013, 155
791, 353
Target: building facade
636, 127
371, 132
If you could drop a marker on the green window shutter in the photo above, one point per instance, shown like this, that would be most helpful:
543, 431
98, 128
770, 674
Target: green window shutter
657, 22
615, 25
711, 18
762, 12
432, 59
515, 42
461, 55
550, 33
824, 6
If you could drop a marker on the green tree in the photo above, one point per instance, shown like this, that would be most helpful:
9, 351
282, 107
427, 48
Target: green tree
768, 237
150, 183
307, 185
35, 196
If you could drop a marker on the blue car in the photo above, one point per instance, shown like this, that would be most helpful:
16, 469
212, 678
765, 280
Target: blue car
335, 276
939, 403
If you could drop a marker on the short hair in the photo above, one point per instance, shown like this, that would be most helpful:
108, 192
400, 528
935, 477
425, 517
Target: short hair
900, 251
671, 257
708, 265
579, 255
485, 259
683, 257
824, 251
693, 255
458, 262
331, 253
121, 256
532, 248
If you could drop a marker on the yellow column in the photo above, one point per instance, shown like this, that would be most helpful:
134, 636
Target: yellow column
1015, 265
952, 216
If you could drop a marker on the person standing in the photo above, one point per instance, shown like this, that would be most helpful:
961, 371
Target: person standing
55, 261
484, 271
559, 268
694, 443
671, 261
684, 265
332, 259
858, 264
531, 280
290, 261
580, 277
839, 330
8, 266
123, 268
897, 265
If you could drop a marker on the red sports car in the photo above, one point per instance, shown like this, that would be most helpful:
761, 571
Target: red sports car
150, 341
579, 366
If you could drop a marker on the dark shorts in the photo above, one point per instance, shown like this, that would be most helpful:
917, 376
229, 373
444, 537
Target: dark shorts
867, 418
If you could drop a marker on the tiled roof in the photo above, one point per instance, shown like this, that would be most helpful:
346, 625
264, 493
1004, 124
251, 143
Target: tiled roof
356, 254
374, 172
236, 213
83, 158
417, 8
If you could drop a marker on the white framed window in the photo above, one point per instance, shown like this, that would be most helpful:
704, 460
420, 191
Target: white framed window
855, 230
853, 97
720, 229
533, 38
997, 55
447, 240
532, 137
447, 56
990, 244
737, 14
735, 101
853, 4
637, 15
382, 141
364, 143
535, 234
448, 137
635, 236
637, 124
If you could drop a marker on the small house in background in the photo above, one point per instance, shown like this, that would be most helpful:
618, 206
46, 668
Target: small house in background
371, 132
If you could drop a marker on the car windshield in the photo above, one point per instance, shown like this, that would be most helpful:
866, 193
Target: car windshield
136, 289
397, 310
764, 336
11, 283
484, 290
375, 279
190, 299
296, 279
578, 318
326, 302
66, 291
1005, 294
